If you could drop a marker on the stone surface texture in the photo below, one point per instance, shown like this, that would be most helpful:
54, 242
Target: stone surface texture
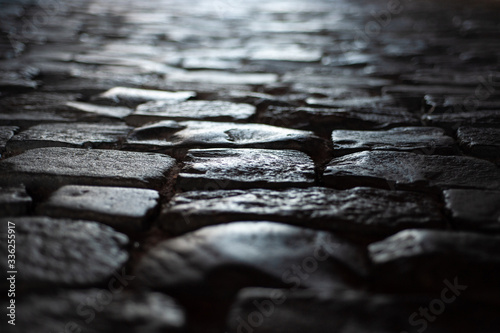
364, 210
228, 257
75, 135
409, 170
425, 140
243, 168
124, 209
58, 252
191, 110
50, 166
250, 166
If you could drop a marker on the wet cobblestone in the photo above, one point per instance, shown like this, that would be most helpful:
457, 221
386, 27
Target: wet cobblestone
247, 166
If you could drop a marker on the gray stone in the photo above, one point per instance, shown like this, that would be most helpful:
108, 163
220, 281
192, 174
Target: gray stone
285, 53
420, 91
222, 259
480, 141
365, 210
37, 101
190, 110
54, 167
426, 140
387, 169
266, 310
89, 110
124, 209
222, 77
33, 118
444, 104
134, 96
474, 209
357, 103
325, 120
14, 201
6, 132
303, 79
170, 135
57, 252
245, 168
452, 121
75, 135
16, 81
100, 310
419, 260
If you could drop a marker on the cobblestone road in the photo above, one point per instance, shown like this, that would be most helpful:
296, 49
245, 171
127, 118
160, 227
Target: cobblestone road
250, 166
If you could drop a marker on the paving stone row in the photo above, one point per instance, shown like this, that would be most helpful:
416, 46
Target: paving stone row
183, 166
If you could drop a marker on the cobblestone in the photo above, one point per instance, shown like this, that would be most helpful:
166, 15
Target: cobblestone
56, 252
227, 140
324, 120
272, 310
14, 201
48, 167
206, 259
89, 110
74, 135
420, 260
190, 110
132, 96
171, 136
97, 310
366, 210
244, 168
426, 140
6, 133
474, 209
125, 209
480, 142
409, 170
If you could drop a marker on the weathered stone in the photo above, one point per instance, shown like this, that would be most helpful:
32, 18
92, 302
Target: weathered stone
265, 310
100, 310
302, 79
409, 171
365, 210
57, 252
426, 140
285, 53
33, 118
444, 104
480, 141
75, 135
14, 201
222, 259
245, 168
51, 167
191, 110
320, 119
16, 81
210, 64
222, 77
37, 101
357, 103
419, 91
170, 135
474, 209
420, 260
452, 121
6, 133
124, 209
89, 110
134, 96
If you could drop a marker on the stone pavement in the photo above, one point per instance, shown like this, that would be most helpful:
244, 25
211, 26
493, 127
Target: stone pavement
250, 166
